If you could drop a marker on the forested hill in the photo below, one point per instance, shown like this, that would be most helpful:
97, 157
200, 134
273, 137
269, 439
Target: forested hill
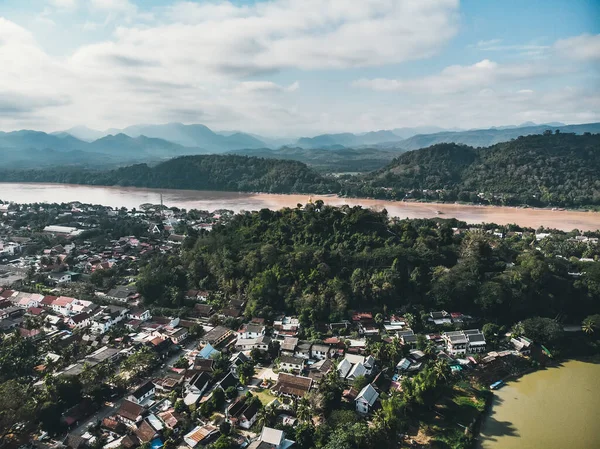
555, 169
211, 172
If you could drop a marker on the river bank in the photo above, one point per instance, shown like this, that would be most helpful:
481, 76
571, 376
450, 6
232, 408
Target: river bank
133, 197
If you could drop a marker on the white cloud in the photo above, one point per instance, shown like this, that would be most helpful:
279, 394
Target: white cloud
459, 78
113, 5
585, 47
264, 87
64, 4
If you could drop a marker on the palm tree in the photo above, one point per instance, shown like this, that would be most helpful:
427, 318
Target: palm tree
303, 411
588, 326
441, 369
265, 416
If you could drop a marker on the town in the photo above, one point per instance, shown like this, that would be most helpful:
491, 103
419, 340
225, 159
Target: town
104, 368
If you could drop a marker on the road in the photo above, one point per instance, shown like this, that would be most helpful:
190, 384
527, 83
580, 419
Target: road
105, 412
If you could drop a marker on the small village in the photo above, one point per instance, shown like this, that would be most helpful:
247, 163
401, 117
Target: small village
142, 376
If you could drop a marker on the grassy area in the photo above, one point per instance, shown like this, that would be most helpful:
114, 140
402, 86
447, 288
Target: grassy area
265, 396
459, 408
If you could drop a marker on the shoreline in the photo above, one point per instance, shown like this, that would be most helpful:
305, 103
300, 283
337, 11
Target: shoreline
491, 396
581, 209
133, 197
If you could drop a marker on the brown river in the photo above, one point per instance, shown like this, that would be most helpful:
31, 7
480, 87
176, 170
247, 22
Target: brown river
207, 200
555, 408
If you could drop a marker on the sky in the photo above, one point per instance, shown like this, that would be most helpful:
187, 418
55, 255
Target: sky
298, 67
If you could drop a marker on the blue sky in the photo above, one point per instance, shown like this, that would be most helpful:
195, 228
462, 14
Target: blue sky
298, 67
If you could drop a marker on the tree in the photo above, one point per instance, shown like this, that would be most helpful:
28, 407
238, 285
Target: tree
246, 372
542, 330
16, 405
231, 392
490, 332
303, 411
590, 324
182, 362
225, 428
360, 382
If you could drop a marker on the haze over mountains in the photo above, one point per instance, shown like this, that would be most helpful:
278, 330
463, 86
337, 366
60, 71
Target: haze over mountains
82, 146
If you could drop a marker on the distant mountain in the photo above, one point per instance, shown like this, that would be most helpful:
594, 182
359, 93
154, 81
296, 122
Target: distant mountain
487, 137
347, 139
405, 133
140, 146
35, 148
331, 160
83, 133
27, 139
199, 136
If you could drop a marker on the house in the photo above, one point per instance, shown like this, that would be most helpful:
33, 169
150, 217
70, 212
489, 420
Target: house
121, 293
319, 369
204, 310
62, 305
237, 359
289, 363
344, 368
440, 318
228, 381
286, 326
198, 384
207, 352
244, 412
204, 365
251, 330
139, 314
200, 434
143, 392
271, 439
476, 341
407, 337
320, 352
130, 413
368, 362
178, 335
290, 385
366, 399
80, 320
303, 350
356, 371
247, 344
145, 432
62, 277
217, 336
288, 345
522, 345
456, 342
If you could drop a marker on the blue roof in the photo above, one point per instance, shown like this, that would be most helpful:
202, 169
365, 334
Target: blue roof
207, 352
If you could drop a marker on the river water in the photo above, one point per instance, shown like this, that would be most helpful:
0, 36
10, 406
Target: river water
555, 408
132, 197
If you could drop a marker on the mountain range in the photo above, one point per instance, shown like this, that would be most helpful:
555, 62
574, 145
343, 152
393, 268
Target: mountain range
327, 152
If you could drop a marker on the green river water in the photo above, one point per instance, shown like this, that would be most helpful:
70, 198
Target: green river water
555, 408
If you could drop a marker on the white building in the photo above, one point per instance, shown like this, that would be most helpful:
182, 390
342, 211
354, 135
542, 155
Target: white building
366, 399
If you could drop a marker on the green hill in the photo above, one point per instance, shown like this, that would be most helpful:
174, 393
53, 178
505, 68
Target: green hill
550, 170
205, 172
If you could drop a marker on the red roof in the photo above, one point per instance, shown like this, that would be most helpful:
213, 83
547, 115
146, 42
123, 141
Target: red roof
48, 300
359, 316
35, 310
332, 341
6, 293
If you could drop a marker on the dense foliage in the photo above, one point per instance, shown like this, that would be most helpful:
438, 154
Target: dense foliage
320, 262
540, 170
231, 173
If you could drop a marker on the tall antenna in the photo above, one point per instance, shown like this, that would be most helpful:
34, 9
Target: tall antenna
162, 214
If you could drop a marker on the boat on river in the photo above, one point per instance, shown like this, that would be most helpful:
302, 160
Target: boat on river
496, 385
